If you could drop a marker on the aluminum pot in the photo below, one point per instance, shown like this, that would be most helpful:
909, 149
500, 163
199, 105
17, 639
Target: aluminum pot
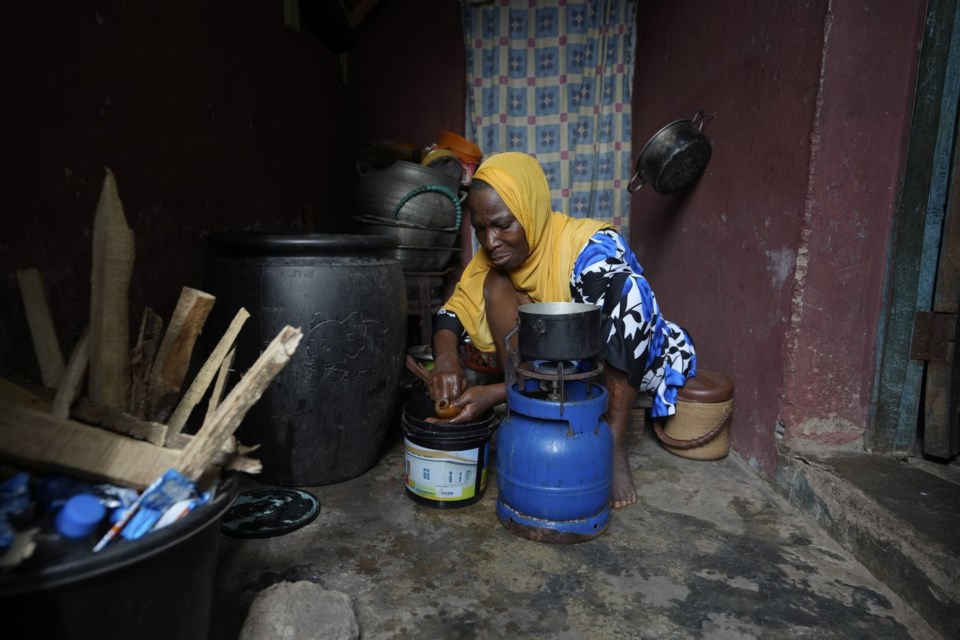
674, 157
559, 331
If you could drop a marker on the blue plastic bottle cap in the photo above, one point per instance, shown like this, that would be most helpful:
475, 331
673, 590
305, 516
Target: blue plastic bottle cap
80, 516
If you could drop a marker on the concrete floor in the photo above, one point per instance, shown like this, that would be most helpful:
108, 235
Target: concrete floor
710, 551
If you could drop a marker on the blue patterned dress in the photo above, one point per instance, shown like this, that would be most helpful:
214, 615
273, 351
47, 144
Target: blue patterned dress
657, 355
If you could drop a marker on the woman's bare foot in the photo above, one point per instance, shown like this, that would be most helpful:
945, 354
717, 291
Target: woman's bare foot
624, 492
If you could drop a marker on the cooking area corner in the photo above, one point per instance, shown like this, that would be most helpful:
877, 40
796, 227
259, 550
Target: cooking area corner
480, 319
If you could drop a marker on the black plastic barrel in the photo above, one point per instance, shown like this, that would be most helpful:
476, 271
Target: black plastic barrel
323, 419
159, 586
445, 465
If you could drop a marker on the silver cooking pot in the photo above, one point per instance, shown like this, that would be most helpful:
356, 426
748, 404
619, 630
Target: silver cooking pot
674, 157
559, 331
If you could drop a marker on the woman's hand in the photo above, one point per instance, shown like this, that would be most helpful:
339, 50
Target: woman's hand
446, 379
474, 402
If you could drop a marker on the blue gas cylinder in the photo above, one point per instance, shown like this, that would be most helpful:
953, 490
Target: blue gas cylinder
555, 464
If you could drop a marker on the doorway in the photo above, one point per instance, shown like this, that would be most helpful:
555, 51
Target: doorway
916, 390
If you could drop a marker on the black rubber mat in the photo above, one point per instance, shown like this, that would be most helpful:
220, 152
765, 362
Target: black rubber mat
265, 513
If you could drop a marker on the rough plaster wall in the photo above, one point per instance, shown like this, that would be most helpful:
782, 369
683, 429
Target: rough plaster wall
857, 155
720, 256
774, 260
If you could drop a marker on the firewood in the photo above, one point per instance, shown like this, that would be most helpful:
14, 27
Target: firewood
89, 412
40, 441
18, 394
225, 420
141, 360
220, 384
42, 332
225, 458
198, 387
70, 383
173, 357
86, 411
113, 253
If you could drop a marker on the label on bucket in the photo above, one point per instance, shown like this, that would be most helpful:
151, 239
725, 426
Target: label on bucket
443, 475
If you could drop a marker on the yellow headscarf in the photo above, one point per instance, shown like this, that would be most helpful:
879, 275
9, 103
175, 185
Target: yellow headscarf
555, 241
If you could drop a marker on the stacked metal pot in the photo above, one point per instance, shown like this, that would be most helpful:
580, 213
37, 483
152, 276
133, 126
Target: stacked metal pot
418, 205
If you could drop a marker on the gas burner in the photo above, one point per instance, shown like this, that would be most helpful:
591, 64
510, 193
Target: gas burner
552, 377
559, 371
556, 368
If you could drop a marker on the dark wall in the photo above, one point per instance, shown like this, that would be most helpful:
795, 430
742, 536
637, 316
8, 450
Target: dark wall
212, 115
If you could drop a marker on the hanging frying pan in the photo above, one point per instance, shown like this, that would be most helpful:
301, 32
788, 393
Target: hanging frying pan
674, 157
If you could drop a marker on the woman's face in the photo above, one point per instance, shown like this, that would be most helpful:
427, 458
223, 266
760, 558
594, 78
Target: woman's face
498, 231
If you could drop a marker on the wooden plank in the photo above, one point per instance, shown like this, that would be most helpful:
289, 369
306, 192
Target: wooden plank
894, 427
69, 388
220, 384
173, 357
38, 440
141, 360
86, 411
225, 420
202, 380
941, 432
113, 251
225, 458
42, 332
17, 394
90, 412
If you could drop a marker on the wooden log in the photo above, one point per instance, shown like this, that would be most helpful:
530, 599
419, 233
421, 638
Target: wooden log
113, 252
225, 458
17, 394
37, 440
99, 416
220, 384
173, 357
90, 412
141, 360
198, 387
69, 388
225, 420
86, 411
42, 332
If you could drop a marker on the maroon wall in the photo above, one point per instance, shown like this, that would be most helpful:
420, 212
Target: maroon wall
806, 163
860, 139
212, 115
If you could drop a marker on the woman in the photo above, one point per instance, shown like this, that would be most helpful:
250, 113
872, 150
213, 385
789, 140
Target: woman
531, 254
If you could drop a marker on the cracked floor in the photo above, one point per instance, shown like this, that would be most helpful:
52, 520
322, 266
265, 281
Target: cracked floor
709, 551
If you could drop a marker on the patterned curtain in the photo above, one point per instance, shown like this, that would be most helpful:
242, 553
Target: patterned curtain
553, 78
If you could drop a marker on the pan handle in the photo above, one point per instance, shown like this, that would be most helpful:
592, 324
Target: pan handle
630, 186
697, 120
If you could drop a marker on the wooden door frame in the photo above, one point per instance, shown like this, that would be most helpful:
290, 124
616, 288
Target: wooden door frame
915, 237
